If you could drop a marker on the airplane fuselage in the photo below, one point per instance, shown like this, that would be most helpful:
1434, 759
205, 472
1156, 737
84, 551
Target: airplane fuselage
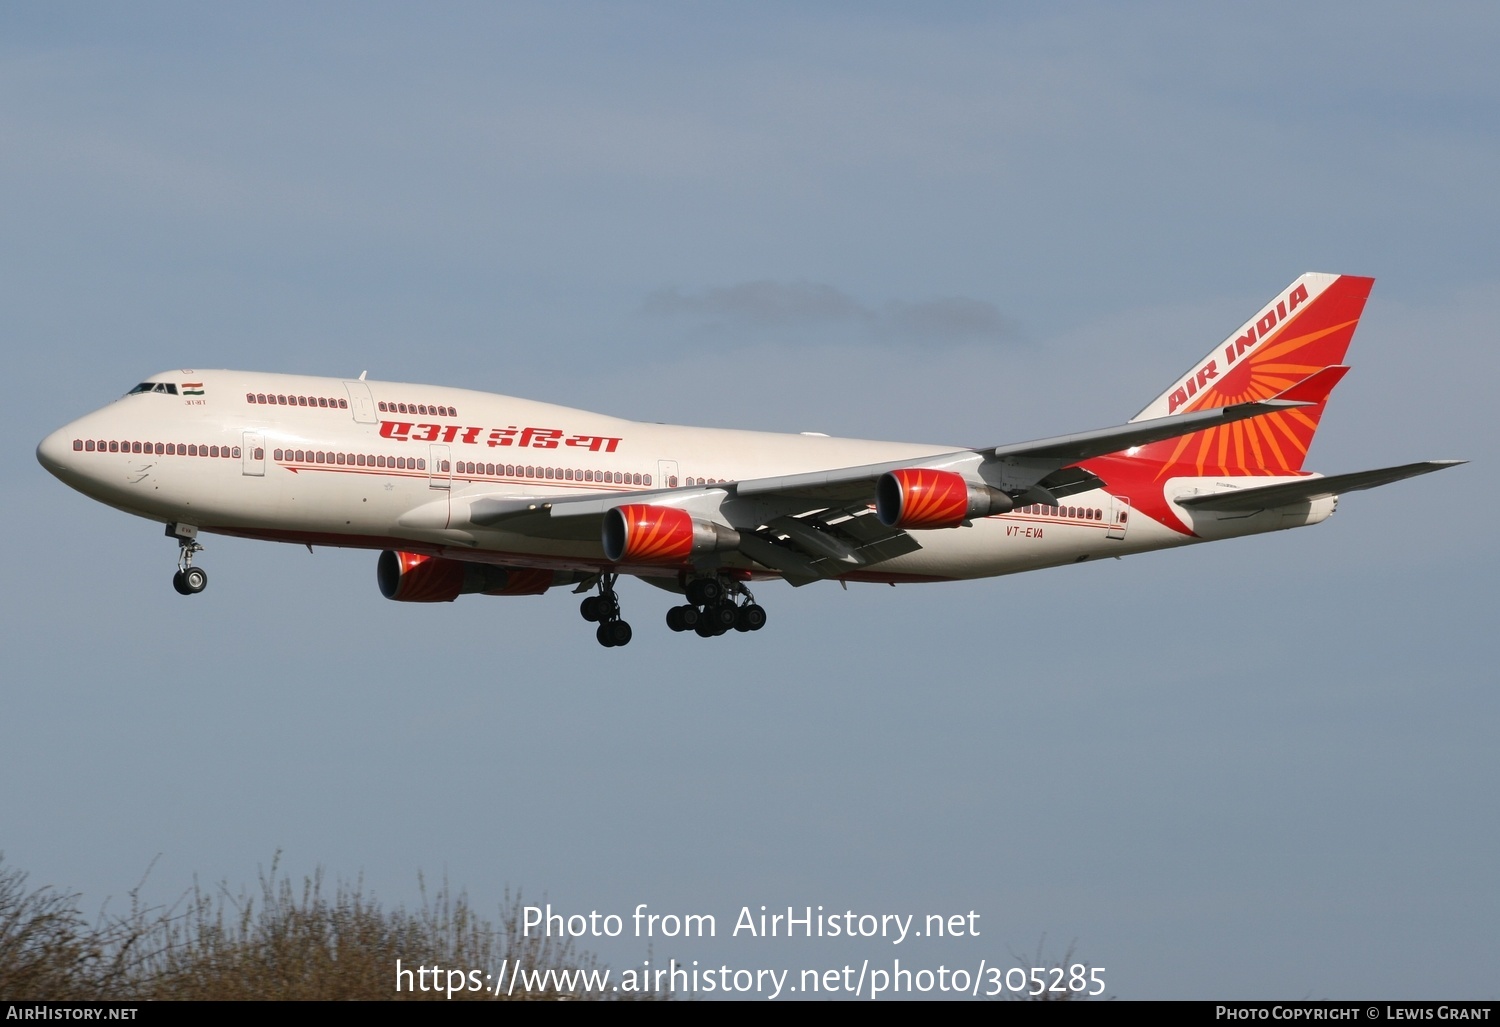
381, 465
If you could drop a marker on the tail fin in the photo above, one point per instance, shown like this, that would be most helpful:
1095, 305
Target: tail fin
1304, 329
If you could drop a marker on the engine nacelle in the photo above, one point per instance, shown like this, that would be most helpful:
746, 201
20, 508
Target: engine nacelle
919, 497
642, 533
415, 578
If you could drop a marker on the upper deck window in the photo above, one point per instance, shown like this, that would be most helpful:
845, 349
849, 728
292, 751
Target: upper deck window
168, 388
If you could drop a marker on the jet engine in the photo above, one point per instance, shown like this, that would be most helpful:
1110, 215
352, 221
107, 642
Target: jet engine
415, 578
641, 533
919, 497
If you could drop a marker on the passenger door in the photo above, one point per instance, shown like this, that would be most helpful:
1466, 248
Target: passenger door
361, 403
439, 468
1119, 513
253, 455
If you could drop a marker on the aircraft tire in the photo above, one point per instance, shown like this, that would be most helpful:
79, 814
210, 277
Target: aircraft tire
179, 584
602, 634
619, 632
705, 629
704, 591
723, 615
589, 609
674, 619
751, 618
195, 580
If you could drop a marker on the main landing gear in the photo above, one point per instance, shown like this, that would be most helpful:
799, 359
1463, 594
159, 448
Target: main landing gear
604, 610
714, 607
188, 580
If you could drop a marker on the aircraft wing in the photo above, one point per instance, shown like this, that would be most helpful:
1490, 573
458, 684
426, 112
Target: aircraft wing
1263, 497
1310, 391
850, 484
820, 523
1042, 457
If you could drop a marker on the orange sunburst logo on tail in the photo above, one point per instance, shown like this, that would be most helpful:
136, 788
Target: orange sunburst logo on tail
1284, 346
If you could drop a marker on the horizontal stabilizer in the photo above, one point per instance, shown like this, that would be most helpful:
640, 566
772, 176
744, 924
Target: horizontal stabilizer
1316, 387
1263, 497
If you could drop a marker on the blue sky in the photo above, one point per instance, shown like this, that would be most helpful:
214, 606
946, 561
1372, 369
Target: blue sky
1262, 768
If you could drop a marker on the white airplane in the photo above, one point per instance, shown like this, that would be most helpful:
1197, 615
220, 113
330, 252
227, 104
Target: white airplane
472, 492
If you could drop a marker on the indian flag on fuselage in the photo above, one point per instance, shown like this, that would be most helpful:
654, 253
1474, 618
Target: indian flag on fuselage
192, 388
1303, 330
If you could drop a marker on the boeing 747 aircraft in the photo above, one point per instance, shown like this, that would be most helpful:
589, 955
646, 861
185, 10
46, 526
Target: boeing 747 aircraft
469, 492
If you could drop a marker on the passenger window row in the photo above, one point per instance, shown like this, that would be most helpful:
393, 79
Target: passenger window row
279, 400
1084, 513
417, 408
155, 448
472, 468
318, 456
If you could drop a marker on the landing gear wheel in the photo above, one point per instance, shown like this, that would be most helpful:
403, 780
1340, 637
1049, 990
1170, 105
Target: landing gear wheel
604, 609
704, 591
683, 618
188, 580
750, 618
705, 629
722, 616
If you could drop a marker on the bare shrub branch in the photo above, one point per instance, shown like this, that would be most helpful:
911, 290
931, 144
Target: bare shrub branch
283, 940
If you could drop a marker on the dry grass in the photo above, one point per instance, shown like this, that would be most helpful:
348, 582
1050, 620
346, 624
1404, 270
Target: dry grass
46, 946
280, 941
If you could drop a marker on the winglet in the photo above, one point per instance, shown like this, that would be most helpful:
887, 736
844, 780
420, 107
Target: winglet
1315, 387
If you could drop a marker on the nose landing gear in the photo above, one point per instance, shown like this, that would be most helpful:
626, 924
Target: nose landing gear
188, 580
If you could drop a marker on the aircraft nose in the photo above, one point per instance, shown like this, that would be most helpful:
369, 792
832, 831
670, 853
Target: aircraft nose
56, 450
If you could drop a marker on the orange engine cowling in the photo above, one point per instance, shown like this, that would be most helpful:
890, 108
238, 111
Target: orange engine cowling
415, 578
642, 533
918, 497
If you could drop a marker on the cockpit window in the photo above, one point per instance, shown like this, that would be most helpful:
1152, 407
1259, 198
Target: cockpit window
167, 387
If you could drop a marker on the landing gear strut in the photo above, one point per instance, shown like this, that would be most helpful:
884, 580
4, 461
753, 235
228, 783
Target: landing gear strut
604, 610
188, 580
715, 606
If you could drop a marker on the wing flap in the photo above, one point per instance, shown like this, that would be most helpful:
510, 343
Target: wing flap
838, 540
